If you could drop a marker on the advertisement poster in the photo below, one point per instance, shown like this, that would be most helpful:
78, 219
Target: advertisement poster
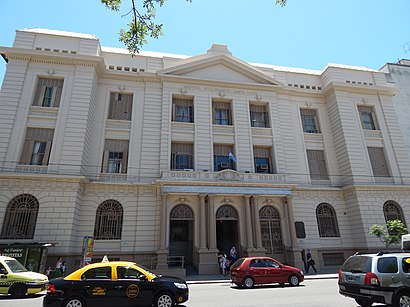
88, 244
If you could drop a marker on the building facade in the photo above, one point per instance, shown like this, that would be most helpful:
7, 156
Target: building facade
173, 158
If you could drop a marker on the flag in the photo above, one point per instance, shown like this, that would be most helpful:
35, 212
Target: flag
231, 157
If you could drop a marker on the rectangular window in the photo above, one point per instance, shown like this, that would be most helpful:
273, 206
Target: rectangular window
120, 106
378, 162
48, 92
317, 165
262, 159
183, 110
37, 146
222, 160
259, 116
181, 156
309, 121
115, 158
222, 113
367, 117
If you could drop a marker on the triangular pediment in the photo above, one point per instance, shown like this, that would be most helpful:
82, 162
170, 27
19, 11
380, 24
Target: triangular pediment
219, 65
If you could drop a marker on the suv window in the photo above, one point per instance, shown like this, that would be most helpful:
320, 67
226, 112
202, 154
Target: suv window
358, 264
387, 265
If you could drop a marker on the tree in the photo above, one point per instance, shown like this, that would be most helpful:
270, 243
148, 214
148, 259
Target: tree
142, 24
395, 230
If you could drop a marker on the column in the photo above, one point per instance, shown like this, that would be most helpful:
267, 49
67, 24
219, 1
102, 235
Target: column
291, 219
257, 222
163, 251
202, 223
164, 230
212, 228
248, 218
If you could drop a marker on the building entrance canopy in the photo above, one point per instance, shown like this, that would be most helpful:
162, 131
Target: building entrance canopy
226, 190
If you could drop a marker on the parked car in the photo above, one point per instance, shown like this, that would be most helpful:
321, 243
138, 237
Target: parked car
247, 272
17, 281
116, 283
376, 278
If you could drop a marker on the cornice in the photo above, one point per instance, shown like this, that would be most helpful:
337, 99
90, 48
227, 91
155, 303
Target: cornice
50, 57
359, 89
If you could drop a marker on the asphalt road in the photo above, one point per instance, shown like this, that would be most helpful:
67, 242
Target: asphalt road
315, 293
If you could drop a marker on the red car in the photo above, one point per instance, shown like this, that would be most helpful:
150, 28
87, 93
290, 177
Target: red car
247, 272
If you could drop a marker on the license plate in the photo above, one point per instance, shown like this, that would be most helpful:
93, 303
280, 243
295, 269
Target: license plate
352, 278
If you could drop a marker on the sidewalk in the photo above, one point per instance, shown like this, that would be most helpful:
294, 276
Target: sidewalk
210, 279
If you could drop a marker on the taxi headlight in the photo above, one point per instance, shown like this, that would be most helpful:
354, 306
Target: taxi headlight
180, 285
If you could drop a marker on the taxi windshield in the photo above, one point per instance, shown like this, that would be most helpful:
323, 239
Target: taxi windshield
145, 269
15, 266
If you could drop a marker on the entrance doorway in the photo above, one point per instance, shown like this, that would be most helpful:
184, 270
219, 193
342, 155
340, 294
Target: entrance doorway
271, 231
227, 229
181, 235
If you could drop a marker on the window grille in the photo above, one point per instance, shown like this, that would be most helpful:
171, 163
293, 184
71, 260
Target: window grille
182, 110
20, 218
259, 116
182, 212
327, 221
262, 159
222, 113
309, 121
181, 156
317, 165
367, 117
392, 211
221, 157
226, 212
108, 222
333, 259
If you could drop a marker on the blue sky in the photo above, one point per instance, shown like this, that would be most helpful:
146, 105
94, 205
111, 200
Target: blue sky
305, 33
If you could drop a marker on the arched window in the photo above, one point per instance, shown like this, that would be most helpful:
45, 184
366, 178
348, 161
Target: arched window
108, 222
271, 230
181, 212
20, 218
226, 212
327, 221
392, 211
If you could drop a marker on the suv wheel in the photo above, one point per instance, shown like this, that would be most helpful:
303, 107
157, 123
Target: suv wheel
402, 299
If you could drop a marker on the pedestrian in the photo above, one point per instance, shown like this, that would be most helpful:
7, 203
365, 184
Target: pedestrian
48, 271
62, 268
223, 263
310, 262
233, 254
59, 263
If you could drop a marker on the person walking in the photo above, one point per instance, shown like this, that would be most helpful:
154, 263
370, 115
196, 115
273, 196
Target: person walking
310, 262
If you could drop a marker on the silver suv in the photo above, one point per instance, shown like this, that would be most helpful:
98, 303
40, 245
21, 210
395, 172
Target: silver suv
377, 278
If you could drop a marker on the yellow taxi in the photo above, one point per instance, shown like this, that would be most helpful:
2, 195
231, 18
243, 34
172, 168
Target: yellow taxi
115, 283
17, 281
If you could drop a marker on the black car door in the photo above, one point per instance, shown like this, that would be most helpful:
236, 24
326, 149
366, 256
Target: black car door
97, 286
133, 288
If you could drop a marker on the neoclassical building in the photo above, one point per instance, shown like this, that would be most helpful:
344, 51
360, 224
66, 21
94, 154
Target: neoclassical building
171, 158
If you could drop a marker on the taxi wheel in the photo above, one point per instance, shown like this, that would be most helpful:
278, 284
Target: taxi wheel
248, 282
18, 290
74, 302
164, 299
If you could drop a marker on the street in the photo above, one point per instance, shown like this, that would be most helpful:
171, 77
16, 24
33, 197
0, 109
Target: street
317, 293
